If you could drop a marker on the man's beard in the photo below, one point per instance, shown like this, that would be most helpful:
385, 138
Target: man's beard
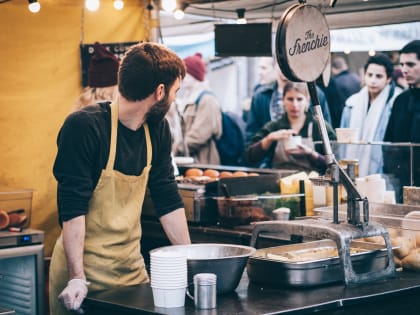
158, 111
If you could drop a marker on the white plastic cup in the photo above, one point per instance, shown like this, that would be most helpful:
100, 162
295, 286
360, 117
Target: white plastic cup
375, 189
168, 298
291, 143
282, 214
347, 135
361, 186
390, 197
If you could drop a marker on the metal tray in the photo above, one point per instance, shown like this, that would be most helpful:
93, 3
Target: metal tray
366, 257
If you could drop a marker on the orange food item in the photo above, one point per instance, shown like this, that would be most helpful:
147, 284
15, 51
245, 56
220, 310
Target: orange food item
240, 174
225, 174
211, 173
193, 172
253, 174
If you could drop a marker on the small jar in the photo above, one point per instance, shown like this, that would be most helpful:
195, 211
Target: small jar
205, 290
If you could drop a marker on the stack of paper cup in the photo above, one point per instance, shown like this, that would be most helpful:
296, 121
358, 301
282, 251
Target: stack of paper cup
373, 187
168, 274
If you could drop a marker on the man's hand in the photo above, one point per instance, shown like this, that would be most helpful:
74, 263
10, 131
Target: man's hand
74, 294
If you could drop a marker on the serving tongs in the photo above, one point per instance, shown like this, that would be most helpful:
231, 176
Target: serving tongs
302, 24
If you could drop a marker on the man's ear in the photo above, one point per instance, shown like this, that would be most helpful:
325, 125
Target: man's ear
160, 92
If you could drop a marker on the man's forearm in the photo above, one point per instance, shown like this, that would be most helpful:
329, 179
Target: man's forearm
73, 242
175, 227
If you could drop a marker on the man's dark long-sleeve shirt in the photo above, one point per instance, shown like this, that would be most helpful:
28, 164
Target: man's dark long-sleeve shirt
83, 149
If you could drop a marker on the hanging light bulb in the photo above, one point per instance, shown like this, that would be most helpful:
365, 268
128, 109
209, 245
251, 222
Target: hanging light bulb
118, 4
169, 5
34, 6
241, 16
92, 5
180, 12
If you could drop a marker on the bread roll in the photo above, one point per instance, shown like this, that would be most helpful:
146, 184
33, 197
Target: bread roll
405, 245
418, 239
211, 173
224, 174
393, 233
412, 261
192, 172
375, 239
239, 174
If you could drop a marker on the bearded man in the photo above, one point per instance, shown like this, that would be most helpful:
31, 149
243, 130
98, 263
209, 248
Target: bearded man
108, 154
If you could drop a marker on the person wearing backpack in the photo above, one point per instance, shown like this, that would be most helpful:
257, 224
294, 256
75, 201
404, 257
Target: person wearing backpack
270, 141
201, 114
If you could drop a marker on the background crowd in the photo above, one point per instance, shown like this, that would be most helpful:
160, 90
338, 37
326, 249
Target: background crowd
382, 104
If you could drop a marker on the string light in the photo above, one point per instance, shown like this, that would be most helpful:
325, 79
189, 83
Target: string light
34, 6
169, 5
241, 16
180, 12
118, 4
92, 5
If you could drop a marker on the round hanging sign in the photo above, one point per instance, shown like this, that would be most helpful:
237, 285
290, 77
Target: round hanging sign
302, 43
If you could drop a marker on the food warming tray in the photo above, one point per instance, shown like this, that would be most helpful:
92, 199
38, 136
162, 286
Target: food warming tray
293, 266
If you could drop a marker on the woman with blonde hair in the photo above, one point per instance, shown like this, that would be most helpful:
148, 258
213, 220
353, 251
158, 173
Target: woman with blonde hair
102, 78
268, 143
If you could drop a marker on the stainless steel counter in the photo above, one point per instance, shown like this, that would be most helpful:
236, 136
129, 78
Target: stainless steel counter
390, 296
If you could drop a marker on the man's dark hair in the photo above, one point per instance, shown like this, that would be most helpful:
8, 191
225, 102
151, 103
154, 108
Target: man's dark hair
412, 47
382, 60
144, 67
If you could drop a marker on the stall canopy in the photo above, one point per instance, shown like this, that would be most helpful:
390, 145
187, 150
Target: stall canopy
378, 38
202, 14
356, 25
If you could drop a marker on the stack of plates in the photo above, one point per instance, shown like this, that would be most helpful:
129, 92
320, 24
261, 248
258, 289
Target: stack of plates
168, 274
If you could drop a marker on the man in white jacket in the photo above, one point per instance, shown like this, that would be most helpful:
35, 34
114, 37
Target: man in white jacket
369, 111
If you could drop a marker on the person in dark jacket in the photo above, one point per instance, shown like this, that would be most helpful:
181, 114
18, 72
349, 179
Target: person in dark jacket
268, 143
343, 83
266, 105
404, 122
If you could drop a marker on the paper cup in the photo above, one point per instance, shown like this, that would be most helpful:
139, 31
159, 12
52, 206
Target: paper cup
169, 297
390, 197
347, 135
282, 213
292, 142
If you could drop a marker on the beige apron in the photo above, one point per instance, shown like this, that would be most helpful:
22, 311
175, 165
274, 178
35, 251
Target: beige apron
283, 160
112, 254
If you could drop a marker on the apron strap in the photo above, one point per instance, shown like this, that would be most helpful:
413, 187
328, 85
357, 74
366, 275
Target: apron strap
113, 142
148, 143
310, 130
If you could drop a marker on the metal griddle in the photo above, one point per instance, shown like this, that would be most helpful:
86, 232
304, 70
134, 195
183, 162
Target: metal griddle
303, 24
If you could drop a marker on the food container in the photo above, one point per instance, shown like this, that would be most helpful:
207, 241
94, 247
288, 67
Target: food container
347, 135
17, 202
312, 263
403, 224
233, 211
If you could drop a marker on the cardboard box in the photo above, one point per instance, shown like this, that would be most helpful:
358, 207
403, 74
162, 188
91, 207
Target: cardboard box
17, 201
